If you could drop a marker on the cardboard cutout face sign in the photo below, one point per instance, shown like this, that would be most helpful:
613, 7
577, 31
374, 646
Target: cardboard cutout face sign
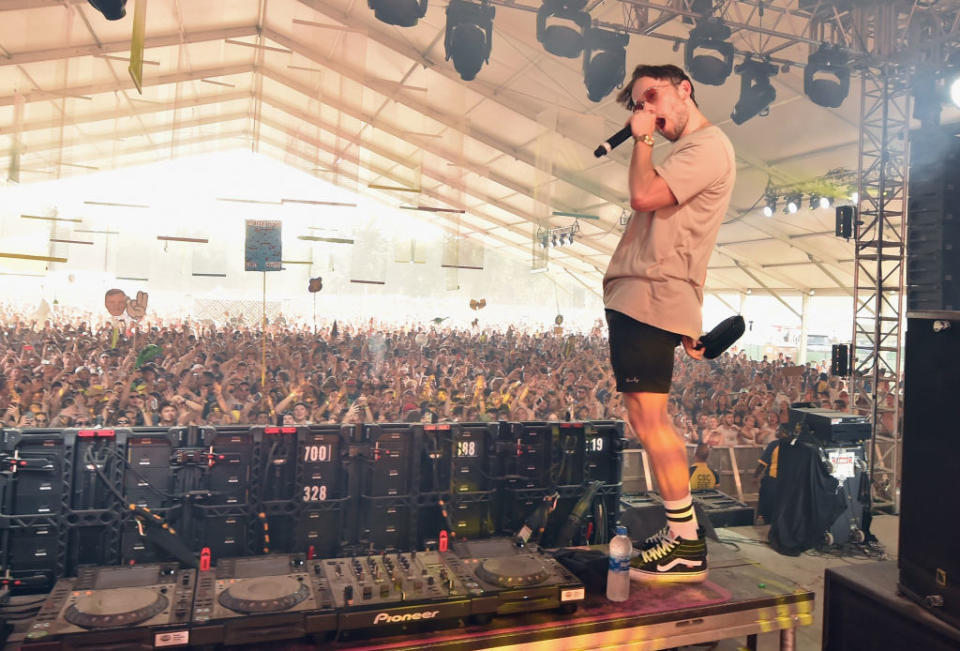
115, 301
316, 284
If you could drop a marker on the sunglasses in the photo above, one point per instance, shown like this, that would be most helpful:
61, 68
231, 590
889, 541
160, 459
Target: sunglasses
649, 95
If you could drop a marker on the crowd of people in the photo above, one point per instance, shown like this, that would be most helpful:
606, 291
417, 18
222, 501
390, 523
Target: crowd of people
83, 371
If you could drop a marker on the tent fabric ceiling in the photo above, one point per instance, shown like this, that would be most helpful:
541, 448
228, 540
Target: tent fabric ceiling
324, 86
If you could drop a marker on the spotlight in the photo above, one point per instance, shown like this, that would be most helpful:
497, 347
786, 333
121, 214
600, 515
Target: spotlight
704, 67
854, 197
814, 201
771, 206
604, 62
559, 38
756, 91
402, 13
793, 203
955, 92
825, 203
469, 36
830, 88
111, 9
553, 240
952, 77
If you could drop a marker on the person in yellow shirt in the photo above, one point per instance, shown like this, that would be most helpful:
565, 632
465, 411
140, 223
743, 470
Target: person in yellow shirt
702, 476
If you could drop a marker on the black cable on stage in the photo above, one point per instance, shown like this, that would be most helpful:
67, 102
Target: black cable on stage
163, 494
92, 461
266, 468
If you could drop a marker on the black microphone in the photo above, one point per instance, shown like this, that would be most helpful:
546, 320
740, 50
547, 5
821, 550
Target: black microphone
612, 142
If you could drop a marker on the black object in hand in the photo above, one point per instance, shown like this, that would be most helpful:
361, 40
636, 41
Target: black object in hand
723, 335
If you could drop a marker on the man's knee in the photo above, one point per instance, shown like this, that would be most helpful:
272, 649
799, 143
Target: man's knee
647, 410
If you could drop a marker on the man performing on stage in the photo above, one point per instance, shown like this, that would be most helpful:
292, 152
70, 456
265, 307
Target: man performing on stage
653, 290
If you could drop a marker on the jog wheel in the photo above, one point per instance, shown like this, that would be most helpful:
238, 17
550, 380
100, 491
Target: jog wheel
513, 571
116, 607
264, 595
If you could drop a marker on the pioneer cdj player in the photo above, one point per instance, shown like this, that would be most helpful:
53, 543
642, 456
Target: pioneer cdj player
121, 607
256, 599
502, 578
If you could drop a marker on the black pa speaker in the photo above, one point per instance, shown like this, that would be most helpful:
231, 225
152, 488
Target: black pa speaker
933, 223
930, 514
844, 227
840, 360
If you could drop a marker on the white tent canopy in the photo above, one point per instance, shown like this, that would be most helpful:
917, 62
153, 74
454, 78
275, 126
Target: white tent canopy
322, 85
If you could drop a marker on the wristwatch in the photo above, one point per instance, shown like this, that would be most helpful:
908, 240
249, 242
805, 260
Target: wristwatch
646, 139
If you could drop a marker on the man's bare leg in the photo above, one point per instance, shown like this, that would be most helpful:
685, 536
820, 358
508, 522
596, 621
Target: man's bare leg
668, 456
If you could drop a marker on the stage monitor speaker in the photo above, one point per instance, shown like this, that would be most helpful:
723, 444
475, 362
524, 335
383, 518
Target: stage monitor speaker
933, 223
930, 516
840, 360
844, 226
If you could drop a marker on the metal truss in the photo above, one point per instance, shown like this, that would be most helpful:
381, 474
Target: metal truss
880, 263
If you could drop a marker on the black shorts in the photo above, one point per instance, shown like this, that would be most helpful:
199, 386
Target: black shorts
641, 355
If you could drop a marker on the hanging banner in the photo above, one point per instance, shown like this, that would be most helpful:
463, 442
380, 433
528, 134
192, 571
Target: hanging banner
263, 250
136, 44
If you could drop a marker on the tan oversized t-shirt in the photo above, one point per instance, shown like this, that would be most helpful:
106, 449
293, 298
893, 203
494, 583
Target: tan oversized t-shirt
656, 275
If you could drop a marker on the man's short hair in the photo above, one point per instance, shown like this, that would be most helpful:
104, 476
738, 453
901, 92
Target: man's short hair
669, 72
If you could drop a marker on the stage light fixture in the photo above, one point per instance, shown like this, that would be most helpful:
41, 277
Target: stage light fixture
826, 79
955, 92
111, 9
756, 91
604, 62
771, 206
814, 201
704, 67
560, 38
402, 13
793, 203
825, 202
469, 36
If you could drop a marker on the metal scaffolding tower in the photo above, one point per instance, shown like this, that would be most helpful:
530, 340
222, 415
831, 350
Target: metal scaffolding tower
879, 269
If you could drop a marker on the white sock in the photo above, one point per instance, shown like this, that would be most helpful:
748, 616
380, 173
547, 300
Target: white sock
681, 518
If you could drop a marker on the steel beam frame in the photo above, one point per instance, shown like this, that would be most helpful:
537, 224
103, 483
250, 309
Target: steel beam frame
879, 267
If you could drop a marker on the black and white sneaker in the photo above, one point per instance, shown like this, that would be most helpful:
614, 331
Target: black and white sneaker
673, 560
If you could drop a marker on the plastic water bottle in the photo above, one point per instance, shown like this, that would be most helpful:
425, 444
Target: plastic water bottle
618, 576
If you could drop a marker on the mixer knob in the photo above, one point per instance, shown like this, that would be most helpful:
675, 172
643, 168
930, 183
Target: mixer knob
348, 593
429, 580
